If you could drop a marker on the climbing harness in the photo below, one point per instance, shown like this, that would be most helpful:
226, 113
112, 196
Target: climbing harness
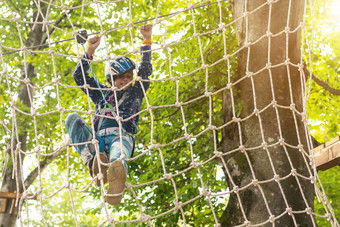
109, 109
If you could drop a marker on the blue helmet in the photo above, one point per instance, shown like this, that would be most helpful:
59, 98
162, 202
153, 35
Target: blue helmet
118, 67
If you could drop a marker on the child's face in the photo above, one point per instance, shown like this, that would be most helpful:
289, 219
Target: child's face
123, 80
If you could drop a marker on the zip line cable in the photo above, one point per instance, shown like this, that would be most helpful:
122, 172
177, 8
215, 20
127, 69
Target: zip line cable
116, 28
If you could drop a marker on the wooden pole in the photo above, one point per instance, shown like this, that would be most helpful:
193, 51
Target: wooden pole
328, 154
13, 195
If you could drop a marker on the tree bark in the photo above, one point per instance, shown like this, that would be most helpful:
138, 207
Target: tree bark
268, 202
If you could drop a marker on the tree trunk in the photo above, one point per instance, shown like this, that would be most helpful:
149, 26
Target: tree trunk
267, 202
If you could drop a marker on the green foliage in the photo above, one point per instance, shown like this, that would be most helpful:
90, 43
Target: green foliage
322, 106
182, 84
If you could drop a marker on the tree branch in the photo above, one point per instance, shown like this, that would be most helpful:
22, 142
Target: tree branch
48, 160
17, 9
323, 84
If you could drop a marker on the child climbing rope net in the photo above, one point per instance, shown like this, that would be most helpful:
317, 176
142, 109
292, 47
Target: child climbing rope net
115, 121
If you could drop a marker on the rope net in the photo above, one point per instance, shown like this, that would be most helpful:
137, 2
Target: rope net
182, 172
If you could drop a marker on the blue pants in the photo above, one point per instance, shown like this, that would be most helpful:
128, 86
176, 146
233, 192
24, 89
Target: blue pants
80, 132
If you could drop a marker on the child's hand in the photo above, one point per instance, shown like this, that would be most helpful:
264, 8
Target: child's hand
146, 31
93, 43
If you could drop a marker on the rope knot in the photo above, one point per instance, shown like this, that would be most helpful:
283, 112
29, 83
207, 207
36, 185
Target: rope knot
246, 223
236, 189
274, 103
178, 104
145, 217
67, 142
37, 149
287, 29
302, 24
312, 180
100, 176
287, 61
167, 176
269, 34
226, 57
178, 205
94, 141
236, 119
309, 210
255, 182
187, 136
205, 192
122, 157
56, 80
247, 44
27, 80
119, 119
293, 172
34, 112
154, 146
194, 164
205, 66
249, 74
282, 141
289, 210
218, 154
242, 148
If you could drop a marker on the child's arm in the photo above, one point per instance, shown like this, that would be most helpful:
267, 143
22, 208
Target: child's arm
78, 77
145, 67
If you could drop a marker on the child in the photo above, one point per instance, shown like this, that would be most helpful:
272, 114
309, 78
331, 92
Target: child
113, 142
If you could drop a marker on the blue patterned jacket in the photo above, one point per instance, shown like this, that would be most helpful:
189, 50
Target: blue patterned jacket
134, 96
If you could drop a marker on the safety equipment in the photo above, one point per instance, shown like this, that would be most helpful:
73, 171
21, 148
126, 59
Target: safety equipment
116, 68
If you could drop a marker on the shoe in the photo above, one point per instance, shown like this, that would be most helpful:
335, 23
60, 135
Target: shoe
95, 168
116, 176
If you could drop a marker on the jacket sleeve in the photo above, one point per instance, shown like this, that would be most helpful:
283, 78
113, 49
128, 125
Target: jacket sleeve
144, 70
81, 77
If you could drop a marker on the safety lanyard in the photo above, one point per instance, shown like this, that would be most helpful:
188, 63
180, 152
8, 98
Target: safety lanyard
94, 75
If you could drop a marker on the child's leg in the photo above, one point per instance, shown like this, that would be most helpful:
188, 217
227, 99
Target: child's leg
80, 132
118, 147
117, 171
